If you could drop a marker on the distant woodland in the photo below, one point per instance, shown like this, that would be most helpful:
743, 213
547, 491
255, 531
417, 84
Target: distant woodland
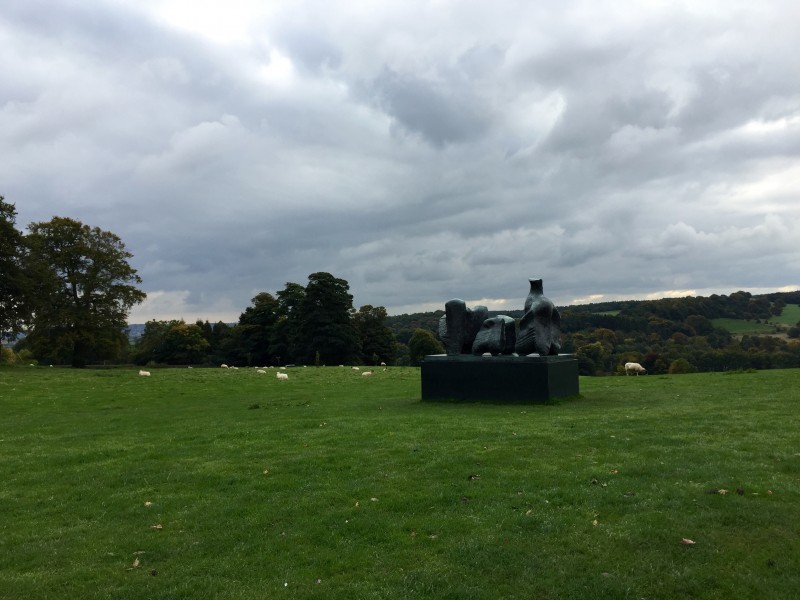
675, 335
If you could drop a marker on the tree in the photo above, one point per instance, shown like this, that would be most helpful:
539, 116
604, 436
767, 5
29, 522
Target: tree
325, 322
422, 343
256, 324
14, 299
284, 341
376, 338
84, 289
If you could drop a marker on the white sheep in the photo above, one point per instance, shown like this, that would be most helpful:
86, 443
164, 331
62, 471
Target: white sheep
223, 366
366, 373
261, 371
383, 364
282, 375
144, 373
634, 368
355, 368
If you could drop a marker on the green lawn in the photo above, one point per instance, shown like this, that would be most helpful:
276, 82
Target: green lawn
213, 483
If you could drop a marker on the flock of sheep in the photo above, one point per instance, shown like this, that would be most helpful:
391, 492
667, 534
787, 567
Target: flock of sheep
630, 367
281, 376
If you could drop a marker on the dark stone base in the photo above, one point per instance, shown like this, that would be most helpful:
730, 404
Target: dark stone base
519, 379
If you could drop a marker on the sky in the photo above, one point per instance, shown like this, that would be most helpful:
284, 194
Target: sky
420, 150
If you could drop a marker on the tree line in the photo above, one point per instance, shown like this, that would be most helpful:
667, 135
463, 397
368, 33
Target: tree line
315, 324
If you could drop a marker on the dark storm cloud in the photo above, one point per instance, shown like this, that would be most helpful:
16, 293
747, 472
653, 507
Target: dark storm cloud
420, 150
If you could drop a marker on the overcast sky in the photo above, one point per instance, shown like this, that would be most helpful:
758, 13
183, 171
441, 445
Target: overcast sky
420, 150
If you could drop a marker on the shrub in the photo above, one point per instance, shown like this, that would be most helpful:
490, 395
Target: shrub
681, 365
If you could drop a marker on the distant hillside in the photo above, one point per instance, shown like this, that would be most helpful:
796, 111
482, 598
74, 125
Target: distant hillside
632, 314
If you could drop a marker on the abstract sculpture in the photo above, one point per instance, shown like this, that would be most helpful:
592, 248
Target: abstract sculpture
463, 330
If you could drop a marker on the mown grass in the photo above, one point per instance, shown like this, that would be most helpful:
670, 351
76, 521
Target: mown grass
333, 485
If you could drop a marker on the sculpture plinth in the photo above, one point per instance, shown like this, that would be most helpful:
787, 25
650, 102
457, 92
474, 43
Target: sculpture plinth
502, 379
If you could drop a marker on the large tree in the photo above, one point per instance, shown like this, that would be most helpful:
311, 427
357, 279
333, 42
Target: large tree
285, 339
84, 290
14, 301
327, 332
377, 340
255, 328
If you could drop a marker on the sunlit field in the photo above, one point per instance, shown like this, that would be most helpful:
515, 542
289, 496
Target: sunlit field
215, 483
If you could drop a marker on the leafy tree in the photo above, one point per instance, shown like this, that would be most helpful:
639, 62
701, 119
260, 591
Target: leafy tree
151, 343
256, 325
681, 365
377, 339
14, 299
172, 343
84, 289
284, 342
184, 345
325, 322
422, 343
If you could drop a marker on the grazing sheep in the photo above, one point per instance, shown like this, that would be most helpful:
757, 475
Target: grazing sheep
282, 375
383, 364
634, 368
366, 373
223, 366
355, 368
261, 371
144, 373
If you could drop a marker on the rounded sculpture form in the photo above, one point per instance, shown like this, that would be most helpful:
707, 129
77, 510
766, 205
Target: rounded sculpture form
540, 327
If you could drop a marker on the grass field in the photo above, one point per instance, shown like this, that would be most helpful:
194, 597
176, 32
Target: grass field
201, 483
788, 318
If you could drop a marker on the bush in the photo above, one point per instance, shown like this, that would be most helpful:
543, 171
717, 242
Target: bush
8, 357
680, 366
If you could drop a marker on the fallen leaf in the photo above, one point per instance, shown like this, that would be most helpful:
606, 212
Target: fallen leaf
413, 534
687, 542
373, 499
148, 503
723, 492
136, 564
158, 526
613, 471
594, 522
473, 477
769, 492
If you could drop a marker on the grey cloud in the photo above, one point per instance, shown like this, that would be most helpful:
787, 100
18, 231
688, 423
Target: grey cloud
432, 109
455, 156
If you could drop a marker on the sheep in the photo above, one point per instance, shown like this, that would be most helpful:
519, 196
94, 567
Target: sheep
261, 371
632, 367
282, 375
366, 373
383, 364
144, 373
223, 366
355, 368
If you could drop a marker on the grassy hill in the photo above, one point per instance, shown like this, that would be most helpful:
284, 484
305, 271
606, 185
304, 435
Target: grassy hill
213, 483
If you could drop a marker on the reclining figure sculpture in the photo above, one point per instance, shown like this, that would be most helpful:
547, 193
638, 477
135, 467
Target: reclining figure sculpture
464, 330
